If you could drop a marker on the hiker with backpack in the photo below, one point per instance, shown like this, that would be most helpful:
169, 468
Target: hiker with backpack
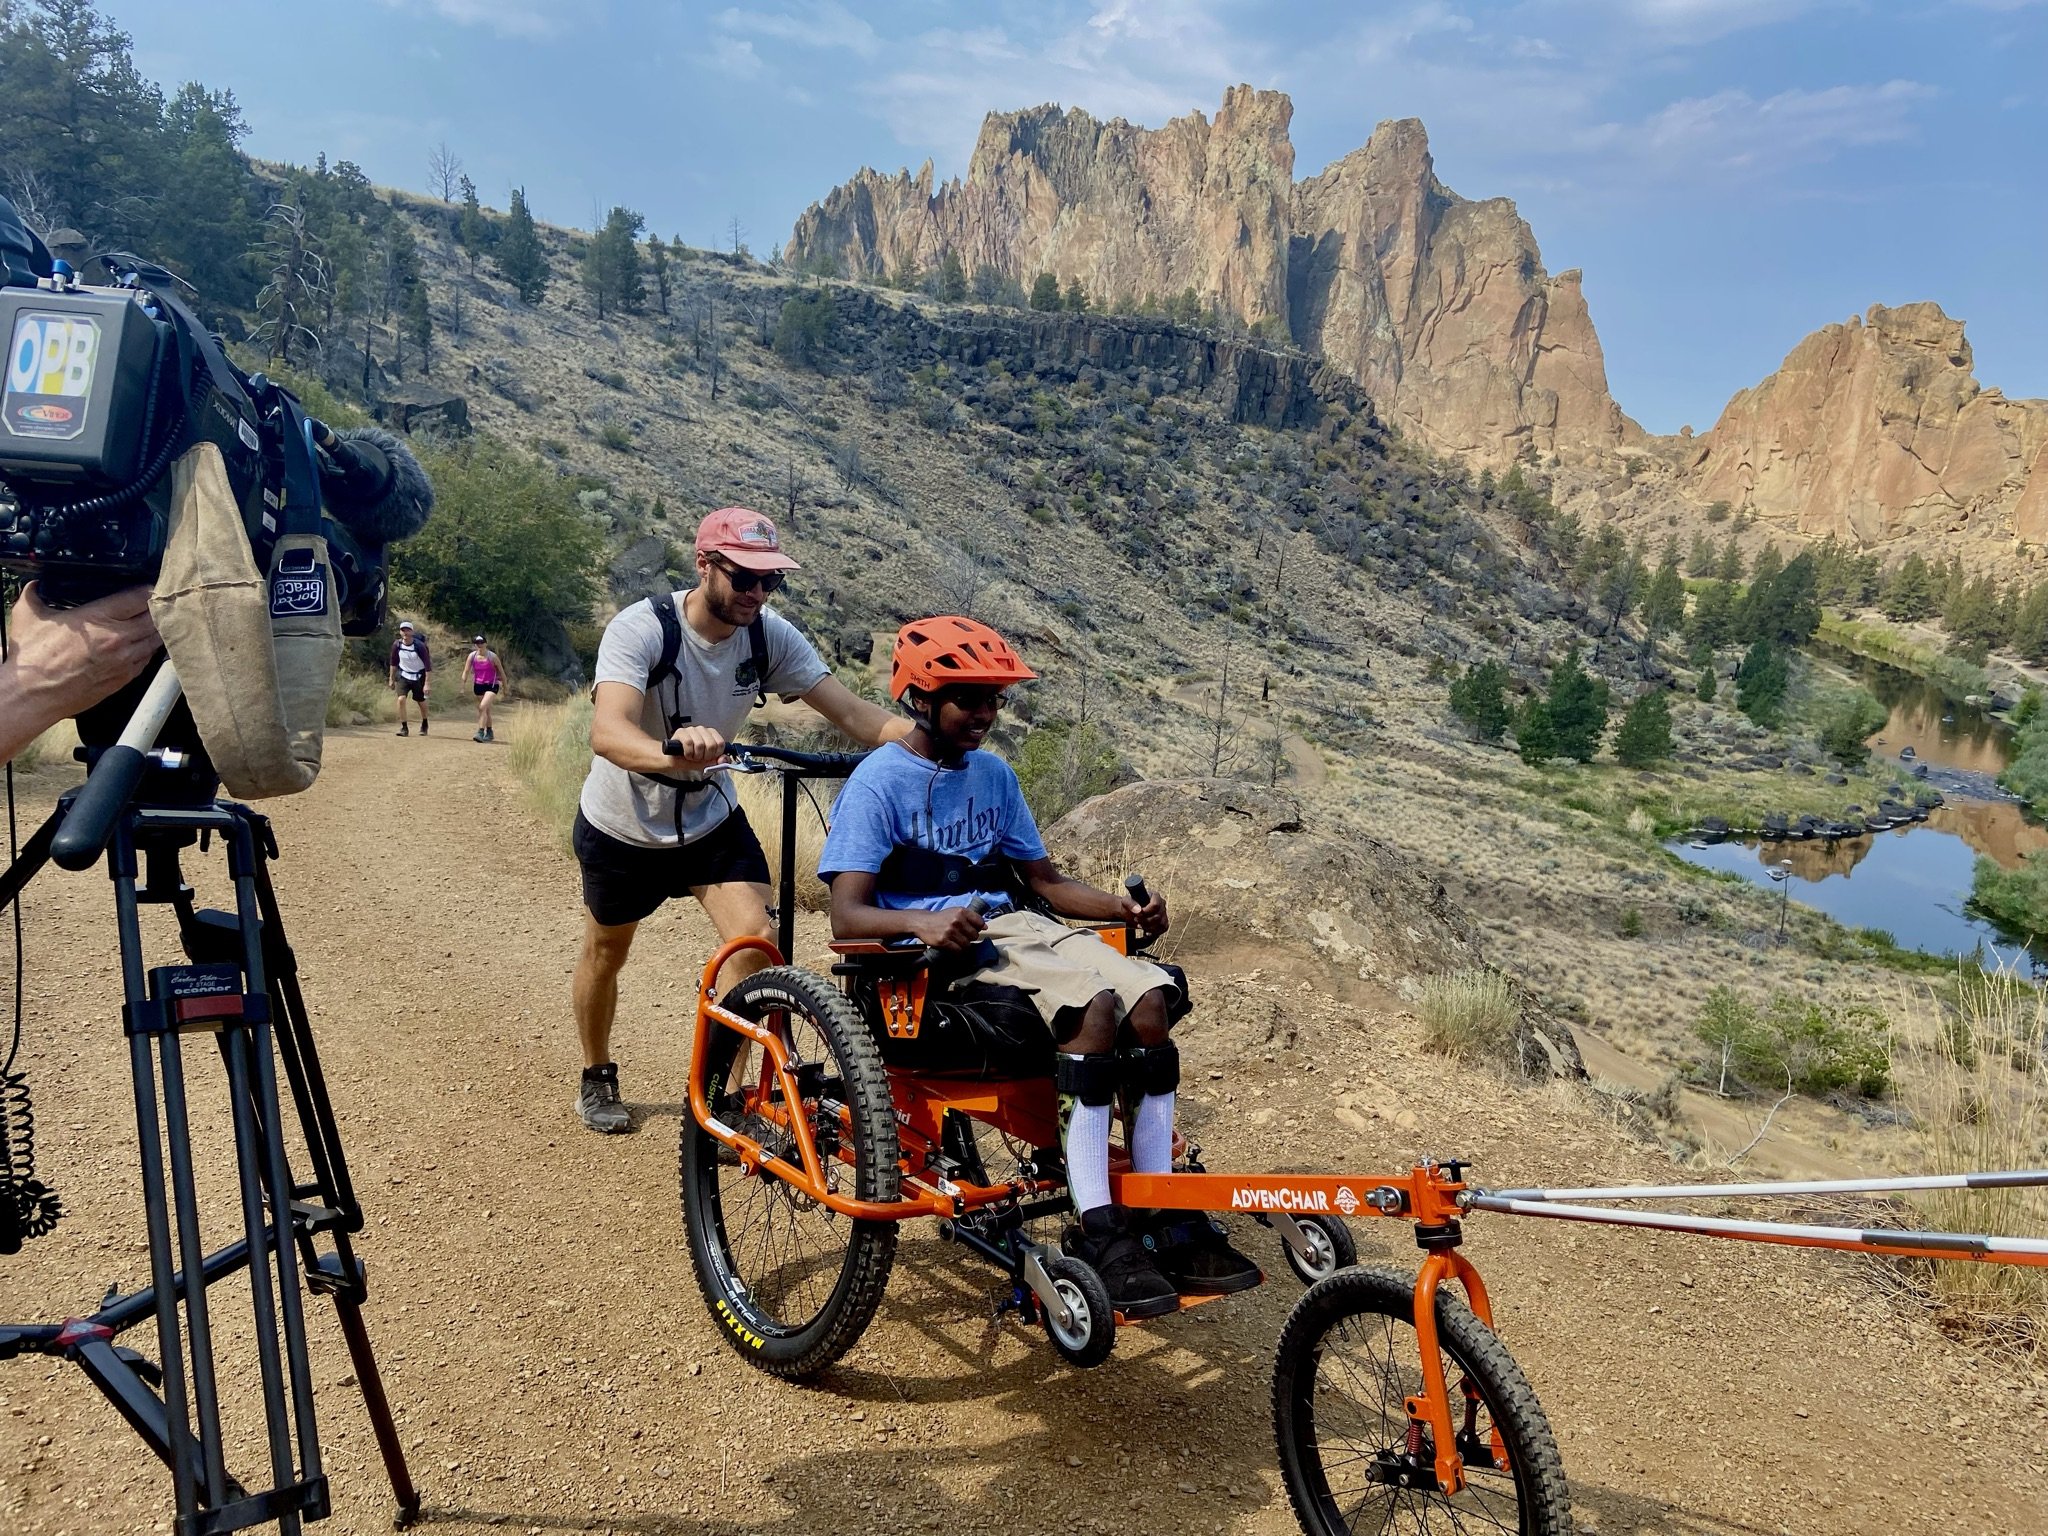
676, 675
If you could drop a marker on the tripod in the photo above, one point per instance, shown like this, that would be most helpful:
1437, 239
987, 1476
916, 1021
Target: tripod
239, 983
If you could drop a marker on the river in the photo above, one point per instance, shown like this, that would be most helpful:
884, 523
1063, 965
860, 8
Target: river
1912, 882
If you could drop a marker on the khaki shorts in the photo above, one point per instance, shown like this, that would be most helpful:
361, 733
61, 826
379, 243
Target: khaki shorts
1062, 967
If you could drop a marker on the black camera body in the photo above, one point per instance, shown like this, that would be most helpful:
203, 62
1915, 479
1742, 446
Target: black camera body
91, 389
104, 388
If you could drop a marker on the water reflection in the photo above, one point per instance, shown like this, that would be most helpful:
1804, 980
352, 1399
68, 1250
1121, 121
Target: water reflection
1939, 730
1912, 883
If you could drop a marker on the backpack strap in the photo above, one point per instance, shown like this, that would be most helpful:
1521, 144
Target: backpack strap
664, 606
757, 641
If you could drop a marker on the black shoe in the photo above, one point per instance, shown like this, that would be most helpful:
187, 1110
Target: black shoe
406, 730
597, 1100
423, 727
1136, 1288
1193, 1252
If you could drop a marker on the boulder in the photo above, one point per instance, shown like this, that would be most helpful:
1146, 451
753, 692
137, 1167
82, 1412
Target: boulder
423, 410
1240, 867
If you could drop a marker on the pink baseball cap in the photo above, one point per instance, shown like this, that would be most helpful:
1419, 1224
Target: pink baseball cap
744, 537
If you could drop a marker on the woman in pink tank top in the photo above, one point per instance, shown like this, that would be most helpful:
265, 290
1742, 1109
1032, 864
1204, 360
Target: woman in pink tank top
486, 676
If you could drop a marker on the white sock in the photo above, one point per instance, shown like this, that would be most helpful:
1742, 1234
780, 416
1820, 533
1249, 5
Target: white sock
1088, 1155
1152, 1134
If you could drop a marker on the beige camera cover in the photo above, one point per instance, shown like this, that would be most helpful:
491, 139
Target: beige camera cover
257, 684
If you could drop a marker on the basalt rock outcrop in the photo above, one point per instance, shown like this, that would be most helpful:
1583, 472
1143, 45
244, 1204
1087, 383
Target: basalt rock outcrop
1874, 429
1438, 306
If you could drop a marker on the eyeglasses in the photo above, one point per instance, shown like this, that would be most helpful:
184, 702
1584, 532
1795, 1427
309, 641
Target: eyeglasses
746, 581
974, 698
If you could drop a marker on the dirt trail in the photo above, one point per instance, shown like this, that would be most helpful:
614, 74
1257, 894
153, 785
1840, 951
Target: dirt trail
553, 1368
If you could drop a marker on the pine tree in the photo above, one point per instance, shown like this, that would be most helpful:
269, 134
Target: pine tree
1577, 709
1645, 734
1535, 736
657, 268
2030, 624
1045, 292
1479, 698
952, 279
1730, 566
1076, 297
520, 256
1908, 594
400, 268
611, 263
472, 230
419, 324
1760, 682
1664, 603
1705, 688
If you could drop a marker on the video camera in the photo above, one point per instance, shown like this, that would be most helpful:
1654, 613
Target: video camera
133, 450
106, 387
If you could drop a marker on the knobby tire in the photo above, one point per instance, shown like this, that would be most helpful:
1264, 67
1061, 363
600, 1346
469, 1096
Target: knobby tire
791, 1285
1348, 1357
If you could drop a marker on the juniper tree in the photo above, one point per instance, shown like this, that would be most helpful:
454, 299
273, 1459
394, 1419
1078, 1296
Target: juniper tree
473, 229
1645, 734
520, 256
1045, 292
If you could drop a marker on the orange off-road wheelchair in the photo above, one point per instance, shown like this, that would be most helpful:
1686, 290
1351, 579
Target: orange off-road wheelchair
817, 1124
822, 1113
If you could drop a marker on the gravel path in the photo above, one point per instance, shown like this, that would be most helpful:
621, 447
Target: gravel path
553, 1368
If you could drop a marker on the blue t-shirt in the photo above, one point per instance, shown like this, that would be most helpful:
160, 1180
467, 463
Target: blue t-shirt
896, 799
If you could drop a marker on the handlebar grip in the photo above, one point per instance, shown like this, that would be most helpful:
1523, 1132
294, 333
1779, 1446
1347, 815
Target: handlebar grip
977, 904
90, 821
1135, 886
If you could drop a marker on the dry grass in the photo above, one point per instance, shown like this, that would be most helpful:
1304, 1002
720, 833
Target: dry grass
550, 747
1981, 1095
761, 798
1469, 1013
359, 697
54, 746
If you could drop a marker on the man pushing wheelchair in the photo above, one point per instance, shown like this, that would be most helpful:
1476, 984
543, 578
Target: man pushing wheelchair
932, 837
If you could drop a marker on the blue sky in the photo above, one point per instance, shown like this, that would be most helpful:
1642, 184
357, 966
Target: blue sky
1730, 174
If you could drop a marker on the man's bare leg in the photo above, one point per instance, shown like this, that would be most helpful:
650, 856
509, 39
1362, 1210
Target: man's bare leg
738, 909
595, 991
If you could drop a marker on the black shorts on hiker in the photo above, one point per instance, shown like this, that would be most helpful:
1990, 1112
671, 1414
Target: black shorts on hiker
413, 687
623, 883
483, 688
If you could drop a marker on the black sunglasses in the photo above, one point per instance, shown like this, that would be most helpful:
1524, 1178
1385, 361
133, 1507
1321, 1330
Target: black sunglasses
961, 696
745, 581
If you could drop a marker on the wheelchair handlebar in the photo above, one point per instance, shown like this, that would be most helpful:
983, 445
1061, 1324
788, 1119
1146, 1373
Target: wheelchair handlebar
749, 757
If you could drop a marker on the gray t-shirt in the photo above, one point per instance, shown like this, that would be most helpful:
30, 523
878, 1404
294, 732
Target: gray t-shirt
714, 687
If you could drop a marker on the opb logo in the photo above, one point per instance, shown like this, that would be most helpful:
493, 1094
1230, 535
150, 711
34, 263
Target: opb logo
52, 354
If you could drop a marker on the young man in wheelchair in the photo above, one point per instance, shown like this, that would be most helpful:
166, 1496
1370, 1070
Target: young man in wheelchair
928, 823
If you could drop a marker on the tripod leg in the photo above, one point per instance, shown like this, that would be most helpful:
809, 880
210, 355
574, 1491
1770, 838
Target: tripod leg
182, 1456
205, 1393
348, 1307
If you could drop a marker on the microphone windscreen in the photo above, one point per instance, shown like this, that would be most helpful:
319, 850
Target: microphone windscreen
393, 504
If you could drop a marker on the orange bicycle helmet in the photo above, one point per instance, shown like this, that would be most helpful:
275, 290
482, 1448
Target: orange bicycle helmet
931, 653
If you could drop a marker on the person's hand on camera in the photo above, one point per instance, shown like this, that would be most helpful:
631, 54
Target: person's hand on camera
63, 660
699, 746
952, 928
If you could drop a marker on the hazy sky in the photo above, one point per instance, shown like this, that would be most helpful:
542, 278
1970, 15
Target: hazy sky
1730, 174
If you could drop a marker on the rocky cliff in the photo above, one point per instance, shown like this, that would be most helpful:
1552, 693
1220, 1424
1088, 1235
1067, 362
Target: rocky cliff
1874, 429
1439, 306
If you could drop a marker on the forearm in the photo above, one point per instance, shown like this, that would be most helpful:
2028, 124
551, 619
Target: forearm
1077, 898
631, 748
858, 920
23, 717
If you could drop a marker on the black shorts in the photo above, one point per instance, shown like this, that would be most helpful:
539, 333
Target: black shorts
623, 883
484, 688
413, 687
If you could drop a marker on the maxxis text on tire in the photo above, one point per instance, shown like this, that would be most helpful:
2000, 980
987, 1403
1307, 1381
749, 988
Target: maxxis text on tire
790, 1284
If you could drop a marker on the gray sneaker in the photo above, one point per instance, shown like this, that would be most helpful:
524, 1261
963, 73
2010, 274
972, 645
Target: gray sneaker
597, 1100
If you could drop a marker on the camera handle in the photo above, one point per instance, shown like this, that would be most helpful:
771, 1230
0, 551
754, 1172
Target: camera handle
113, 780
